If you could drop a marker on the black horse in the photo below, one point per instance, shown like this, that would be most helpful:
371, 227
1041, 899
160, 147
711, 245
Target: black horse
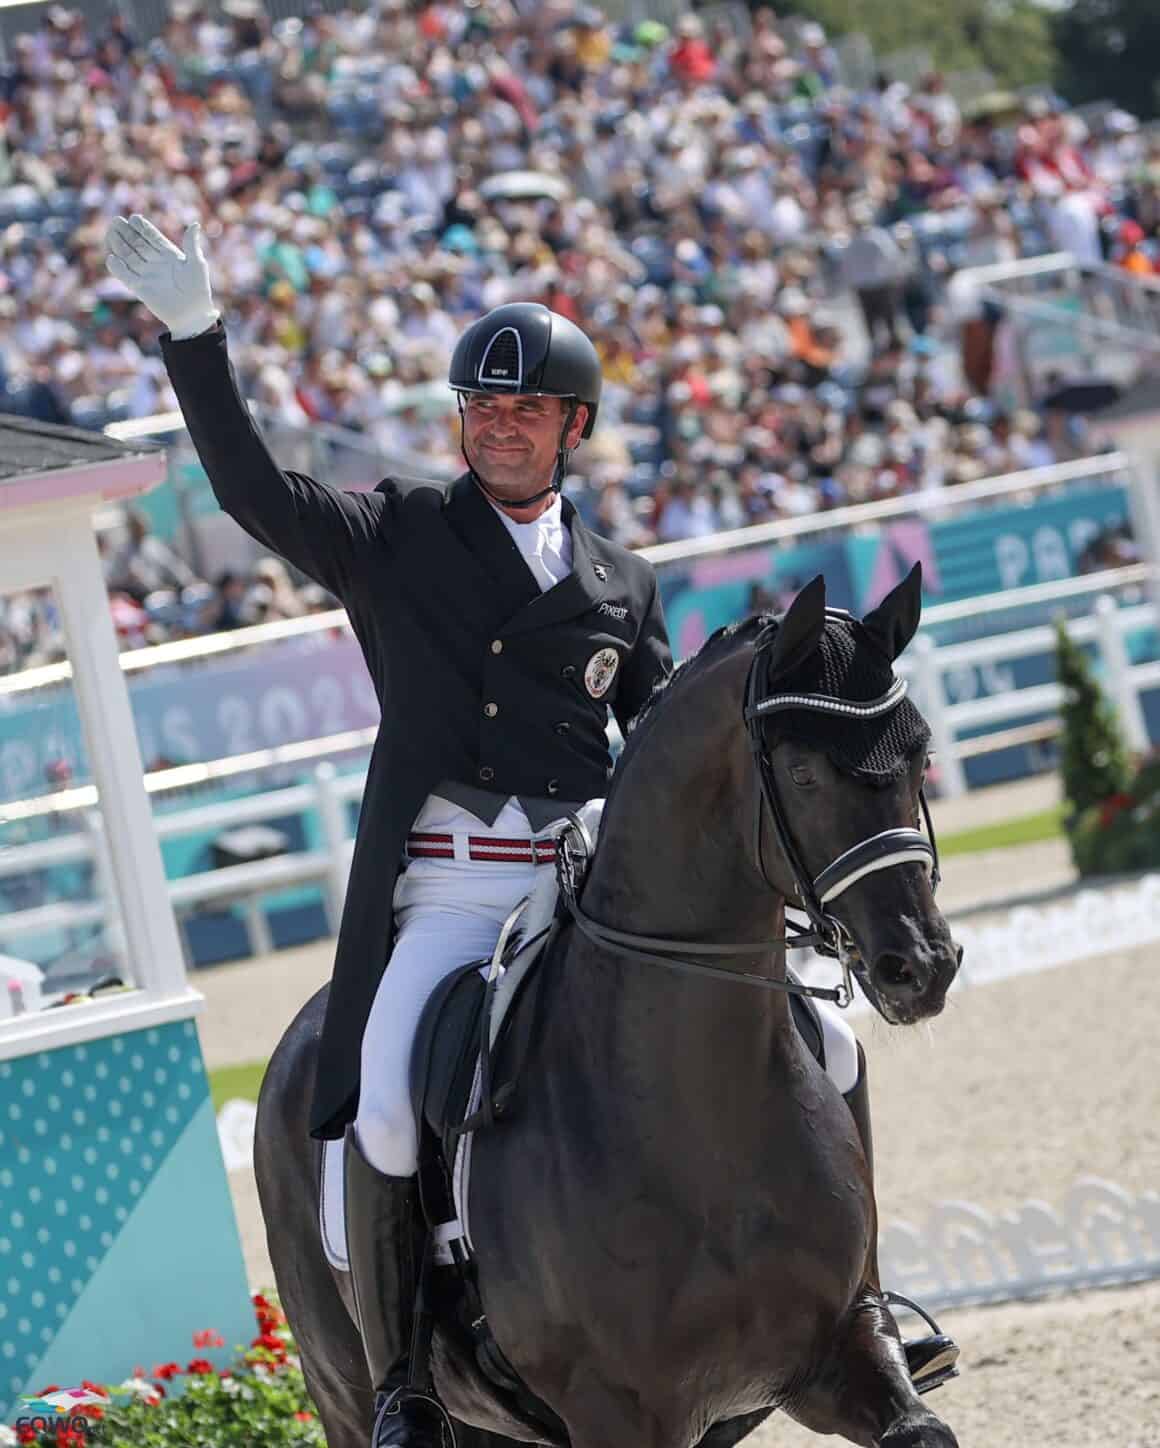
676, 1232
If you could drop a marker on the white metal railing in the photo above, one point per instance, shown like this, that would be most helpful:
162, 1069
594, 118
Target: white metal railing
328, 793
930, 500
246, 883
1058, 263
1022, 484
1038, 593
1124, 682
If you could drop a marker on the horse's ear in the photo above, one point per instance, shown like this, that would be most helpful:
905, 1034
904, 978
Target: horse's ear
893, 624
800, 631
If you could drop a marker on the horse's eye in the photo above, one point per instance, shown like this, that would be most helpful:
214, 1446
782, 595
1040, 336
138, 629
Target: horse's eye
801, 774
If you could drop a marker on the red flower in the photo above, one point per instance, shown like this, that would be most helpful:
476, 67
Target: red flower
1112, 806
304, 1417
94, 1388
52, 1388
167, 1371
271, 1344
225, 1374
208, 1338
260, 1302
138, 1372
199, 1367
93, 1410
26, 1435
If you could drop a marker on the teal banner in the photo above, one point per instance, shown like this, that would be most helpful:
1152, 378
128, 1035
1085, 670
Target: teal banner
979, 553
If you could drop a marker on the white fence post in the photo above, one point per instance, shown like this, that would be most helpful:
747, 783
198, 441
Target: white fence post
331, 814
1119, 682
103, 879
951, 779
1144, 507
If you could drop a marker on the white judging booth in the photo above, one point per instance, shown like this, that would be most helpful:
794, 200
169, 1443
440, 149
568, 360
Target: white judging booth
117, 1234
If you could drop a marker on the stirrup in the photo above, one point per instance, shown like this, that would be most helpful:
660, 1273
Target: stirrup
389, 1404
931, 1360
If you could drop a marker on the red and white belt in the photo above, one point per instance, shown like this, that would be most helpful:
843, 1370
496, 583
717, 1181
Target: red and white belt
521, 850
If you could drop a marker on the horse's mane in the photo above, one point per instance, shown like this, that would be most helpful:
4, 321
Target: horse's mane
718, 643
845, 665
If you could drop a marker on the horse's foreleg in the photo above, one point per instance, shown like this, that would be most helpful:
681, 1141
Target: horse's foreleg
863, 1390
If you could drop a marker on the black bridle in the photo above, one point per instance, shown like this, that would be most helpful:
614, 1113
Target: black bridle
825, 934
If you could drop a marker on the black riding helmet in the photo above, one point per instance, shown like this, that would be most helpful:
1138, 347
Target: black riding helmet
524, 348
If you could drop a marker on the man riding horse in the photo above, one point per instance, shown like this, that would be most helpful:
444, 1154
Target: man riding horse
498, 631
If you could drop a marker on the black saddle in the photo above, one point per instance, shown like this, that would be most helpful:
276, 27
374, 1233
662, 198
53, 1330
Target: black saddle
454, 1037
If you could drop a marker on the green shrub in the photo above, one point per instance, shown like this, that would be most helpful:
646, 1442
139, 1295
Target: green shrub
1122, 832
1094, 760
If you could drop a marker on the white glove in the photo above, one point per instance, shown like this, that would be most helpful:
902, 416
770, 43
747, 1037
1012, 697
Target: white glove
173, 284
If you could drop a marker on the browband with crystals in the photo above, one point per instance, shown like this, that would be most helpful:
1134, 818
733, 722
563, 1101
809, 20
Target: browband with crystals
823, 703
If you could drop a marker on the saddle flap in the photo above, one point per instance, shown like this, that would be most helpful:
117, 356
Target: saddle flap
446, 1048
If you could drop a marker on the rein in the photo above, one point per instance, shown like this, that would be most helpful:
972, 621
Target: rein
825, 934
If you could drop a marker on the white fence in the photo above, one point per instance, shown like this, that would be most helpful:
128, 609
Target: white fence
328, 793
1124, 682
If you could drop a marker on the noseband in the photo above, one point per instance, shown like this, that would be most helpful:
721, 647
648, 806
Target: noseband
826, 934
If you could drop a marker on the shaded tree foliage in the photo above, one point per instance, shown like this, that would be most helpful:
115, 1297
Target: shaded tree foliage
1010, 38
1108, 50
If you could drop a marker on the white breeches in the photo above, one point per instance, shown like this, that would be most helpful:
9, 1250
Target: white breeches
447, 913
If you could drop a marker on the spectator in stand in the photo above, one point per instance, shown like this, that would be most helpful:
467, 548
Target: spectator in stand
1130, 253
143, 563
874, 268
227, 609
272, 595
701, 182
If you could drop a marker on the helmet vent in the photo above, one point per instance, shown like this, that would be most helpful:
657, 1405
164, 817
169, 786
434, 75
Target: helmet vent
502, 364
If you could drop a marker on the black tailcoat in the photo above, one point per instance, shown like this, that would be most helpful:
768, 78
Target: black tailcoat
451, 622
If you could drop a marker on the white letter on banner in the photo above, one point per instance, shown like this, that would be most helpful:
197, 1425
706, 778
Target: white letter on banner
1011, 559
1051, 560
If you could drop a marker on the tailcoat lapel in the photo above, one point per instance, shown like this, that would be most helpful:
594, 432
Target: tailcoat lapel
476, 524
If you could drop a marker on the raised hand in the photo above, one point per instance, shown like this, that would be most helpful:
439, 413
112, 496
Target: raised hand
172, 283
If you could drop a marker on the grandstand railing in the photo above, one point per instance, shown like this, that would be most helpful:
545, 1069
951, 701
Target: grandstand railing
1103, 467
1021, 485
1117, 303
1106, 318
328, 793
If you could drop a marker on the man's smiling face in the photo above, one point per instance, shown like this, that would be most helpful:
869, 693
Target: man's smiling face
512, 442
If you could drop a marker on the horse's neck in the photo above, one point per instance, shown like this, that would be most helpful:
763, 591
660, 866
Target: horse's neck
676, 836
675, 860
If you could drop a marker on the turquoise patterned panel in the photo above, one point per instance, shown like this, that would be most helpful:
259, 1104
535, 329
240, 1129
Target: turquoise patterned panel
83, 1131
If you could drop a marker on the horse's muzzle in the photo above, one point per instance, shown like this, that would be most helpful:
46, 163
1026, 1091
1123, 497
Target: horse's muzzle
912, 986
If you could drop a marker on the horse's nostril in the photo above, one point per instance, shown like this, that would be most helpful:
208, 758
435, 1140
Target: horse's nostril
895, 973
958, 956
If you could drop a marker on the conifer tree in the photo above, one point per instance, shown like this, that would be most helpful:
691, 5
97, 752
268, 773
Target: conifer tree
1094, 759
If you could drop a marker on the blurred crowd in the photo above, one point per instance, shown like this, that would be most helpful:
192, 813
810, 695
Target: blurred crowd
766, 257
155, 597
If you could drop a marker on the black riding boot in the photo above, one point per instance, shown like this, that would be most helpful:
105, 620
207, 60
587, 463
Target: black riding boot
931, 1359
386, 1235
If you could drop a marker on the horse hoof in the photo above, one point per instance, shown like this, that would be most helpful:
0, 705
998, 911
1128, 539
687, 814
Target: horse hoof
927, 1432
